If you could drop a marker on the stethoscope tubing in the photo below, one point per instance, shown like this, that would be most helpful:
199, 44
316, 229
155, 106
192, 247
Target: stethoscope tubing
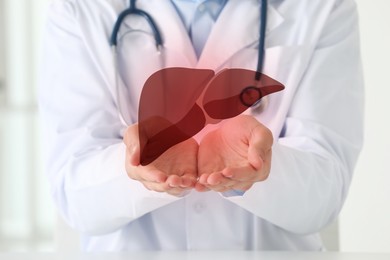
133, 10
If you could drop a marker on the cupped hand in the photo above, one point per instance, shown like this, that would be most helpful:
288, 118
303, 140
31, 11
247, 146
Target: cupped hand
234, 156
172, 172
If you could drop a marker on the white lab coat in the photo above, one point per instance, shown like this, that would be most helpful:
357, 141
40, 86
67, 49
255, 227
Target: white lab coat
312, 47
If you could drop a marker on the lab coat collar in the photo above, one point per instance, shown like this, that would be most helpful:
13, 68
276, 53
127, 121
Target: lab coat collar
173, 31
230, 34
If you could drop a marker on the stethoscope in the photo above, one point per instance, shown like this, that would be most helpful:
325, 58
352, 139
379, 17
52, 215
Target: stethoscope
133, 10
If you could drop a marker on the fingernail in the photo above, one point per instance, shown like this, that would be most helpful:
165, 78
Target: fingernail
185, 183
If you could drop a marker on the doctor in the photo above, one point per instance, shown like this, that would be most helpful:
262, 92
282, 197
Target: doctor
314, 126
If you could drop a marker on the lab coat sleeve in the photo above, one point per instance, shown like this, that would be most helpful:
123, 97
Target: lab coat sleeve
314, 158
86, 156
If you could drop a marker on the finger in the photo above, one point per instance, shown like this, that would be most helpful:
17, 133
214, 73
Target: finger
188, 180
176, 191
184, 182
200, 187
145, 173
203, 178
133, 172
163, 187
267, 166
220, 180
227, 182
241, 174
260, 144
152, 186
148, 175
217, 182
158, 187
215, 178
223, 187
220, 188
173, 181
243, 186
131, 140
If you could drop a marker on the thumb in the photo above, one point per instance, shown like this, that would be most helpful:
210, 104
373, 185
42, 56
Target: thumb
260, 144
132, 142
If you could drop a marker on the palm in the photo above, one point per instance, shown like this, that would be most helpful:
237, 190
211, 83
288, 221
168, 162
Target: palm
180, 160
172, 171
234, 156
223, 148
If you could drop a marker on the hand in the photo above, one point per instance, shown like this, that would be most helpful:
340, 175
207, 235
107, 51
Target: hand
173, 172
235, 156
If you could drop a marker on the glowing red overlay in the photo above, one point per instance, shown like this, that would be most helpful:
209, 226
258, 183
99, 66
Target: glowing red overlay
177, 103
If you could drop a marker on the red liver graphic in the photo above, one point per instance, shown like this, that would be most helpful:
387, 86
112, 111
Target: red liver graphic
177, 103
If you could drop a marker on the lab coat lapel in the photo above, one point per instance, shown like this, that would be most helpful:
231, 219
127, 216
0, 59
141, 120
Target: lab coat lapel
176, 40
233, 31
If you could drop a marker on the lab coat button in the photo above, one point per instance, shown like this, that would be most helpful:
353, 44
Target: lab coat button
201, 8
199, 207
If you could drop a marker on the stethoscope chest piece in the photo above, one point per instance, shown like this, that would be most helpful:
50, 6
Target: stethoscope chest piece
250, 96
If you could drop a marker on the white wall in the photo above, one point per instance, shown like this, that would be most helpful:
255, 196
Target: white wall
26, 212
2, 69
365, 219
364, 222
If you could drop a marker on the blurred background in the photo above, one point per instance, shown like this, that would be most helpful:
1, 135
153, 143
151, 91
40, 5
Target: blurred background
28, 220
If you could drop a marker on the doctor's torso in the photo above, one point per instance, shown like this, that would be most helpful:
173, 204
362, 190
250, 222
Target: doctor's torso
198, 220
